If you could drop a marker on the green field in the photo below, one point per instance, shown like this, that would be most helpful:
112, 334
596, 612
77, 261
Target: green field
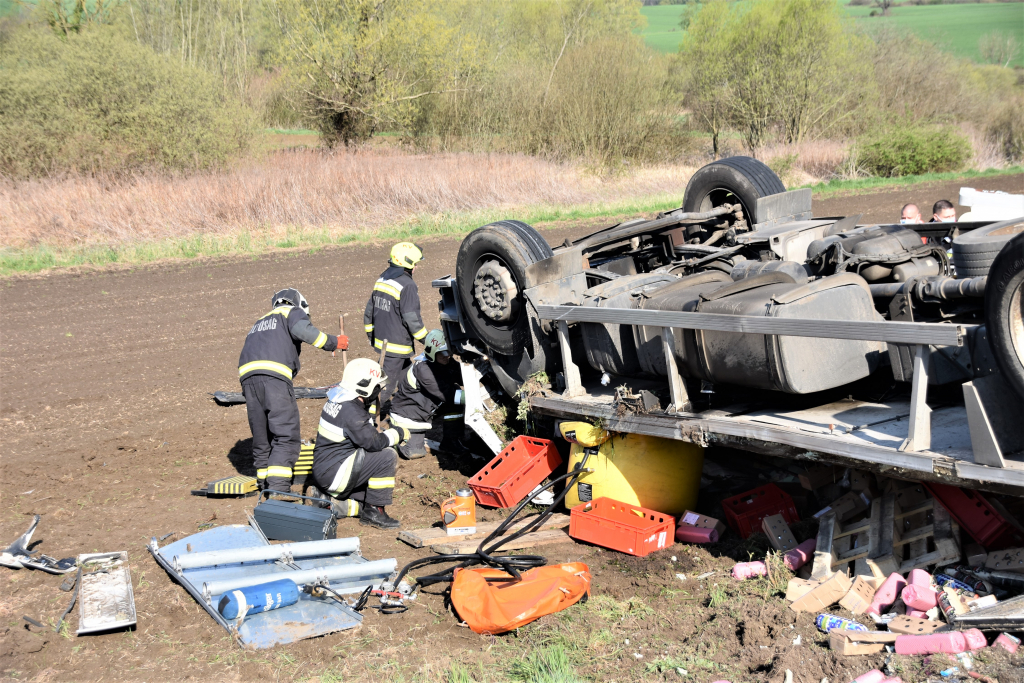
956, 28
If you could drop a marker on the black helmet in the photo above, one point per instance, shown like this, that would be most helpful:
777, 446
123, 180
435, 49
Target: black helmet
290, 296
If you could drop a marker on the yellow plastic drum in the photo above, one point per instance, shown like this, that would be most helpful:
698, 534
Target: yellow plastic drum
658, 474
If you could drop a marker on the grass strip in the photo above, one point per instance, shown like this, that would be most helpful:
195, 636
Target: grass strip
261, 241
836, 188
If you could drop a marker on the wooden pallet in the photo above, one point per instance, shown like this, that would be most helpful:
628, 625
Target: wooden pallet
894, 538
432, 536
530, 540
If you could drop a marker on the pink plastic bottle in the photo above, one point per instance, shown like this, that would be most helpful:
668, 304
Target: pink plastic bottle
749, 570
919, 577
918, 597
887, 594
800, 555
1007, 642
950, 643
873, 676
894, 679
911, 612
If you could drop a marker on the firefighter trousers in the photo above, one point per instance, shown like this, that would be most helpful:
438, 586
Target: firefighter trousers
274, 421
372, 480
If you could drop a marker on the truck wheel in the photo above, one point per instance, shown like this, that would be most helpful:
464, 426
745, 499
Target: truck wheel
976, 250
491, 274
1004, 312
729, 180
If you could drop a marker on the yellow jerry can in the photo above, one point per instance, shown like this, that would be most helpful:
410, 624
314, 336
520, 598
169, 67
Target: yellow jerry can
658, 474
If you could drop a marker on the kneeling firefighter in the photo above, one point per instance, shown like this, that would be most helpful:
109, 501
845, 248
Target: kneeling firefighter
354, 463
422, 390
266, 366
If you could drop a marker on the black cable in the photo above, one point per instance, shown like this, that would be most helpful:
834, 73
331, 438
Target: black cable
485, 555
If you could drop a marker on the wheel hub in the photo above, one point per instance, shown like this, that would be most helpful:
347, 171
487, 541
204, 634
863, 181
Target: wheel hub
495, 292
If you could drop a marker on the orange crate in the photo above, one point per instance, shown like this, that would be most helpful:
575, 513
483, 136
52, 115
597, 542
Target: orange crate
516, 471
626, 528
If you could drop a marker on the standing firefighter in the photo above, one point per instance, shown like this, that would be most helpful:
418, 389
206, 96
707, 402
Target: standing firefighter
393, 312
353, 462
421, 390
269, 362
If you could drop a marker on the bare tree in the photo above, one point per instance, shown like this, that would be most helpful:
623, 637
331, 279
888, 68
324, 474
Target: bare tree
884, 5
998, 48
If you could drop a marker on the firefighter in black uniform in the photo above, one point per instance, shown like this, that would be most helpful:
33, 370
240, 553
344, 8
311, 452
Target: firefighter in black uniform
269, 361
393, 313
421, 391
354, 463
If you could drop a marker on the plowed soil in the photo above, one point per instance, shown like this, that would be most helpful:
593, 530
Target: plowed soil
106, 424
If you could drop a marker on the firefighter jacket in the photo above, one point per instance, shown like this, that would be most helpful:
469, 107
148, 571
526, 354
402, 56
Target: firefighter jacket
273, 344
422, 389
345, 427
393, 313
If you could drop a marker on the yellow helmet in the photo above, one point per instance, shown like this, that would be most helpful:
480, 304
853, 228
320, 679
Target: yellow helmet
406, 254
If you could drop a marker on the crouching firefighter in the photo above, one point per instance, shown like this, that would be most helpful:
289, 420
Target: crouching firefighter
354, 463
393, 313
266, 367
422, 390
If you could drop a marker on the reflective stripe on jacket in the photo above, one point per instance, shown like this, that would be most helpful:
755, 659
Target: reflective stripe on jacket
274, 343
393, 313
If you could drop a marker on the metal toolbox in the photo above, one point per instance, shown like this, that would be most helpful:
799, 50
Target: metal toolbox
285, 521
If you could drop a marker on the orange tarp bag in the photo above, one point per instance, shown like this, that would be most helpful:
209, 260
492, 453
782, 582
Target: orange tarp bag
499, 607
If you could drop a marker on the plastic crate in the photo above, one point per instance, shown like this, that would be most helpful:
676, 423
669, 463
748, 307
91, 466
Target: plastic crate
516, 471
977, 516
744, 512
627, 528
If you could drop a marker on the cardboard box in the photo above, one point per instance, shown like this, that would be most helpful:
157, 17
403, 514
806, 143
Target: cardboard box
859, 598
914, 626
703, 522
798, 588
778, 532
828, 592
816, 477
863, 481
845, 642
847, 506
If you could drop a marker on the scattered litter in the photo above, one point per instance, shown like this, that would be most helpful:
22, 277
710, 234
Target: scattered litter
749, 570
18, 556
1007, 642
789, 676
638, 655
873, 676
828, 622
673, 558
681, 577
544, 499
800, 555
950, 643
106, 600
681, 671
706, 575
33, 622
952, 671
28, 492
798, 640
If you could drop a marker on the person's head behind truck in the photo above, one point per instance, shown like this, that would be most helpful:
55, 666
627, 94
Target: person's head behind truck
943, 212
910, 214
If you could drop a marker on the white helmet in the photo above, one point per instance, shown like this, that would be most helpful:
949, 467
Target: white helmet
290, 296
433, 343
364, 377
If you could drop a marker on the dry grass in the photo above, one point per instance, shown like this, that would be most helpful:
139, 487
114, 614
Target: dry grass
342, 193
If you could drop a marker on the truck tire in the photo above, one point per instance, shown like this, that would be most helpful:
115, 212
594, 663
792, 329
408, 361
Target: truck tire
727, 180
490, 275
975, 251
1004, 312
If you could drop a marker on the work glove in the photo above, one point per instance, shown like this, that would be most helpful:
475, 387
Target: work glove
398, 435
342, 342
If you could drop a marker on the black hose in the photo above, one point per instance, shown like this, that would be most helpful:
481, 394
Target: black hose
485, 555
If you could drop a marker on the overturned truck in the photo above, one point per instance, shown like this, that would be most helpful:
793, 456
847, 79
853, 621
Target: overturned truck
742, 320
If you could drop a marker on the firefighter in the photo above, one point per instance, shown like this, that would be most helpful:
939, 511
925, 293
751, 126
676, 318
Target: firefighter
266, 367
353, 463
421, 391
393, 313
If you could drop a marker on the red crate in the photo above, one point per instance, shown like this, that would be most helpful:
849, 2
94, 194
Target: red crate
516, 471
977, 516
744, 512
626, 528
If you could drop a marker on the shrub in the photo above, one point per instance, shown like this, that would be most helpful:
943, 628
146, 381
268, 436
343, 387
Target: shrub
908, 150
1006, 129
98, 101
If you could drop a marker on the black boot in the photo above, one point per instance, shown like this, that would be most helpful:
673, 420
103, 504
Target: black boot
376, 517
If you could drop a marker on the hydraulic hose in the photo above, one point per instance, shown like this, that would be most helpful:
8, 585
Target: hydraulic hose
485, 553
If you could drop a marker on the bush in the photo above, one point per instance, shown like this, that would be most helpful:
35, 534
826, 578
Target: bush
1006, 129
100, 102
915, 150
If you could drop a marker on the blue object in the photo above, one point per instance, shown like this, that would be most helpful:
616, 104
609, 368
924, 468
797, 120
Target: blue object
944, 580
828, 622
261, 598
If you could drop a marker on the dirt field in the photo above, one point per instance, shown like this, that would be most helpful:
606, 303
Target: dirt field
106, 425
